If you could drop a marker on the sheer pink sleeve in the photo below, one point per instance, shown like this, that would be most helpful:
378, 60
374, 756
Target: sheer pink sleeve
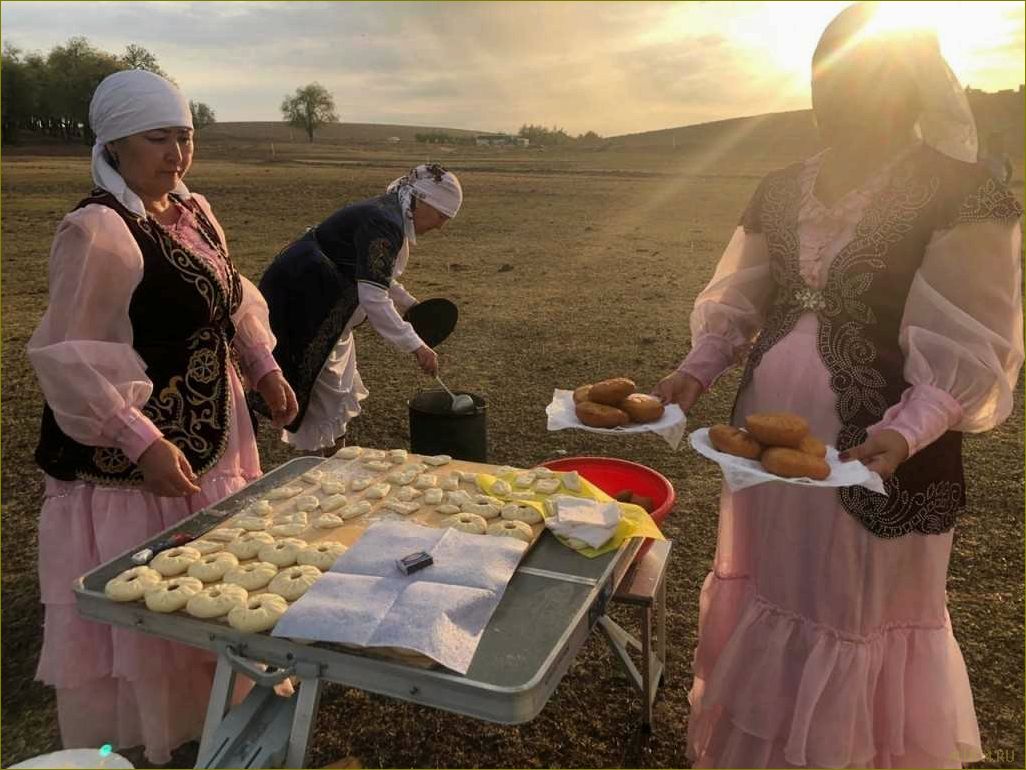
962, 334
254, 341
729, 311
82, 350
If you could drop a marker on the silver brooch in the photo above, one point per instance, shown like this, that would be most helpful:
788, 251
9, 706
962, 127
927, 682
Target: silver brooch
810, 299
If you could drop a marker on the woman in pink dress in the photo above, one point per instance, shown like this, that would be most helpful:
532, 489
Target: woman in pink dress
148, 343
875, 289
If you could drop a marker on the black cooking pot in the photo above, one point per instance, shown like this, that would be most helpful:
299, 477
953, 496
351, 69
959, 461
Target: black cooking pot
436, 430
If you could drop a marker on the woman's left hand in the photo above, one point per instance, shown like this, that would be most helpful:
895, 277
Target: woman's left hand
882, 452
279, 397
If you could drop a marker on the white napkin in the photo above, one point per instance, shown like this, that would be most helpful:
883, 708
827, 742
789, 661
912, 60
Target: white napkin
561, 415
740, 472
587, 520
440, 611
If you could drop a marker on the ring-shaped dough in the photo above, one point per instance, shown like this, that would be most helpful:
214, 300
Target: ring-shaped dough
509, 528
295, 581
321, 555
249, 545
216, 601
252, 576
132, 584
172, 595
467, 522
174, 561
211, 568
282, 553
259, 613
525, 513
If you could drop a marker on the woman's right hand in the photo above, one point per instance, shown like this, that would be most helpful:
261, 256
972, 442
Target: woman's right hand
427, 360
680, 389
166, 470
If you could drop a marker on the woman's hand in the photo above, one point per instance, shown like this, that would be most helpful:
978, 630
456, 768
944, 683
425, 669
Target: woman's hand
680, 389
279, 397
166, 471
427, 359
882, 452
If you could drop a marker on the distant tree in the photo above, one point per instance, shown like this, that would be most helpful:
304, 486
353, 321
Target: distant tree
138, 58
75, 69
202, 115
591, 136
539, 135
309, 108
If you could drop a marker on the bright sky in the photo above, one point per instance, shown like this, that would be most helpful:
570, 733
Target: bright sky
610, 67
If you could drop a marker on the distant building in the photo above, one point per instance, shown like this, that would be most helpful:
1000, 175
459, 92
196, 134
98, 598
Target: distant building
501, 140
393, 140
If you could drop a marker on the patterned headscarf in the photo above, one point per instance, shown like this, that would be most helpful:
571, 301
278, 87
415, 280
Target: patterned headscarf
431, 183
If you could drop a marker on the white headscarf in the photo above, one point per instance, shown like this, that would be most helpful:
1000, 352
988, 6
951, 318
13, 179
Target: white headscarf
127, 103
432, 184
946, 122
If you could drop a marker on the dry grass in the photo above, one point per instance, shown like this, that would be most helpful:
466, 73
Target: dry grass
608, 251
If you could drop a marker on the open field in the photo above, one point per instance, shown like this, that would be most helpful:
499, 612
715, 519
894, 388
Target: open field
608, 250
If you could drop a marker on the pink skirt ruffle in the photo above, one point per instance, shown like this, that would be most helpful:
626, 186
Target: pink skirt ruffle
774, 689
821, 645
114, 685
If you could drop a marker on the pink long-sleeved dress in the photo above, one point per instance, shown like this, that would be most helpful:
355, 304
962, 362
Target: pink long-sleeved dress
820, 644
114, 685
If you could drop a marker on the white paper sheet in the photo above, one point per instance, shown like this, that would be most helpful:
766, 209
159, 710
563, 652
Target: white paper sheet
440, 611
740, 472
562, 414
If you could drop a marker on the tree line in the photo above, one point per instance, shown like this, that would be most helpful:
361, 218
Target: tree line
50, 94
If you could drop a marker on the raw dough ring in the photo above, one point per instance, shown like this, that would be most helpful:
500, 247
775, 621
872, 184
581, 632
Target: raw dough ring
252, 576
132, 584
484, 510
258, 508
293, 582
171, 595
212, 567
282, 553
225, 534
206, 546
247, 546
174, 561
251, 523
283, 493
321, 555
259, 613
215, 601
467, 522
525, 513
306, 503
509, 528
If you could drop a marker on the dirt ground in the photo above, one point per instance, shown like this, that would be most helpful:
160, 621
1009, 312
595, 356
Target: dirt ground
606, 257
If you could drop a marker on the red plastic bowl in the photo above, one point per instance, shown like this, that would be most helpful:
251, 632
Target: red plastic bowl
612, 475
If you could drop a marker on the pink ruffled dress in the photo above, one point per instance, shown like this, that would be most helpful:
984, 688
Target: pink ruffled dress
114, 685
821, 645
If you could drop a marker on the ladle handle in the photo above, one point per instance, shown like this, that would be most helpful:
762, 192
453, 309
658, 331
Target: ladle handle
445, 388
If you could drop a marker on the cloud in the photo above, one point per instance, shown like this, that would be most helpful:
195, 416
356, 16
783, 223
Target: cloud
608, 67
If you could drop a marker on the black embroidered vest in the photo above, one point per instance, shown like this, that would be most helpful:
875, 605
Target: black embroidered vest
860, 311
182, 330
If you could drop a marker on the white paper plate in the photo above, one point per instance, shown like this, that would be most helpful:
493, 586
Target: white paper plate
739, 472
562, 415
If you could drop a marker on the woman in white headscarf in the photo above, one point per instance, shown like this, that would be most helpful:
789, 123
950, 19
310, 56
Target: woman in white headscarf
875, 289
339, 273
145, 419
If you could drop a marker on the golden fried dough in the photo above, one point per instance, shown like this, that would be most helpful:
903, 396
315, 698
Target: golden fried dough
777, 428
790, 463
600, 416
581, 393
642, 408
734, 441
611, 392
812, 446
